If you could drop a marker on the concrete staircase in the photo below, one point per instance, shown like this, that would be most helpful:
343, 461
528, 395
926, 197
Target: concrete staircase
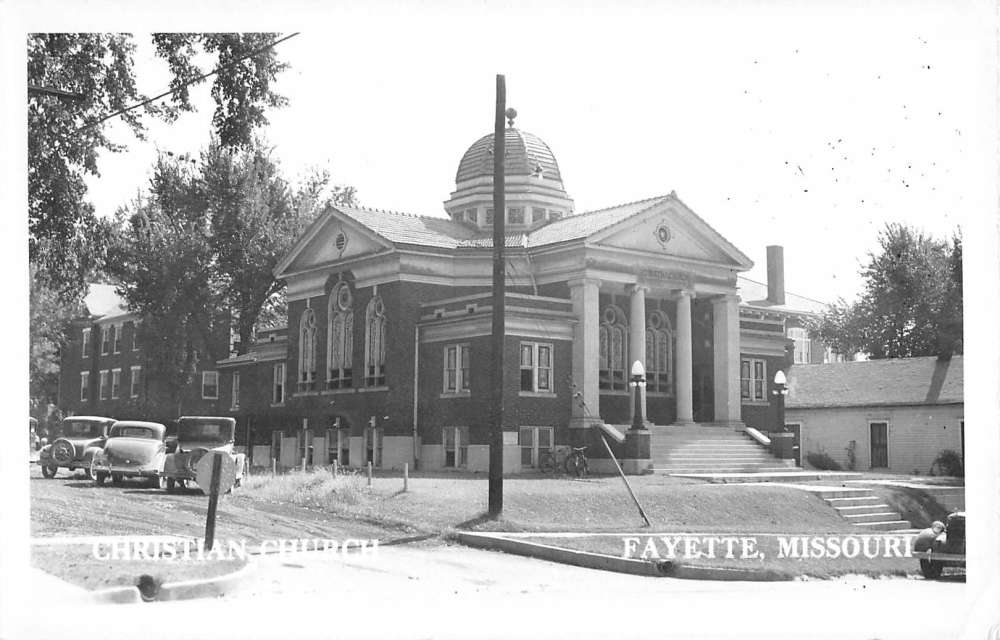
862, 508
708, 449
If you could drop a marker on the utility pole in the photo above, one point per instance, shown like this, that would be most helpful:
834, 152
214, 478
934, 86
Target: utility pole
495, 505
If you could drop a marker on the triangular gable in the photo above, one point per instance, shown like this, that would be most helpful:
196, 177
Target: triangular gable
319, 245
670, 228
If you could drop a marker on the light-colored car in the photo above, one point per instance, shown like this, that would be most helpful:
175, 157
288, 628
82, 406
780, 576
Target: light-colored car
133, 449
78, 439
196, 436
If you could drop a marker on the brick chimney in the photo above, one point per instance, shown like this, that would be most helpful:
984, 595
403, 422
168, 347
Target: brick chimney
776, 274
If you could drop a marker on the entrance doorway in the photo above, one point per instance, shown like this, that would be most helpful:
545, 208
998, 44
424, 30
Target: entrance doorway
879, 444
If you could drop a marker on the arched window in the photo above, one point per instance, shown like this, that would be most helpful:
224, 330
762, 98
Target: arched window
340, 337
375, 343
659, 354
613, 349
307, 350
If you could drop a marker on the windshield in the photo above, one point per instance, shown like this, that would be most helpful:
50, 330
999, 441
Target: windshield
82, 429
205, 431
133, 432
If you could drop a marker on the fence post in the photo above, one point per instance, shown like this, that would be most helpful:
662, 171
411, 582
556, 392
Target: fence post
303, 464
274, 466
369, 475
334, 468
406, 475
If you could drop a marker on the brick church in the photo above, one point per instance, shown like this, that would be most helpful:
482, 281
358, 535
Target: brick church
387, 352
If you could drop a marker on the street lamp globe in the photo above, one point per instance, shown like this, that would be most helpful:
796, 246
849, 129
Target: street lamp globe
638, 371
780, 379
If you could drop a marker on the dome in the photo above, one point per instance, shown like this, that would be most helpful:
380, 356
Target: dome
524, 154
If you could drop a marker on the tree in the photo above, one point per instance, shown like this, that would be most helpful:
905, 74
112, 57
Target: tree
66, 137
911, 304
48, 322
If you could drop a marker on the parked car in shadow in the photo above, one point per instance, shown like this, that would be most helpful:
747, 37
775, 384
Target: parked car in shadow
133, 449
941, 545
78, 438
196, 436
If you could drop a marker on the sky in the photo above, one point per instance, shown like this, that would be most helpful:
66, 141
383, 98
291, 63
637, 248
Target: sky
811, 129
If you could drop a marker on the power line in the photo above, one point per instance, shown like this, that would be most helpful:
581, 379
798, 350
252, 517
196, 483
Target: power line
188, 83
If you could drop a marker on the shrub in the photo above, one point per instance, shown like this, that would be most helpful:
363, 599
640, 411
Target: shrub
823, 461
948, 463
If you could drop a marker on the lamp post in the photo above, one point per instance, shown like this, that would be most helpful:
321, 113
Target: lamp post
638, 382
780, 391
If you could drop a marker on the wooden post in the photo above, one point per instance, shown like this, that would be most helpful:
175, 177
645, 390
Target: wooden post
406, 475
495, 490
625, 480
303, 464
274, 466
213, 499
369, 475
334, 468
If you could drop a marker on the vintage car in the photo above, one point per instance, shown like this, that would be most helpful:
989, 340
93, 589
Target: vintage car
78, 438
133, 449
942, 545
196, 436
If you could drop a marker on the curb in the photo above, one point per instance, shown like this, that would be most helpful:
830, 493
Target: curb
589, 560
184, 590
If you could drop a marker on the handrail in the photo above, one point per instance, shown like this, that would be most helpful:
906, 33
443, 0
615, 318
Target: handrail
758, 436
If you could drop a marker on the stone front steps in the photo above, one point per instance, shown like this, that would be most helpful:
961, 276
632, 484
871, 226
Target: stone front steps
862, 508
706, 449
782, 475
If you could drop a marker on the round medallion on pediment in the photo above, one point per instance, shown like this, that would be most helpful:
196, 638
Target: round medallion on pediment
662, 234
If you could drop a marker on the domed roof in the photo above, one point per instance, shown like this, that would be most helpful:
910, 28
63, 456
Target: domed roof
524, 154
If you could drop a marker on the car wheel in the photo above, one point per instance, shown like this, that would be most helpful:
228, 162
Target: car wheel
153, 482
931, 569
99, 478
49, 471
116, 478
171, 485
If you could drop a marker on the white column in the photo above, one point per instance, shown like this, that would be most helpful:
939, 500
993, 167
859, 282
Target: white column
683, 372
586, 346
726, 370
637, 340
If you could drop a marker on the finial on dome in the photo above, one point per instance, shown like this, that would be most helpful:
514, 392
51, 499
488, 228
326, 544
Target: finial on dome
511, 113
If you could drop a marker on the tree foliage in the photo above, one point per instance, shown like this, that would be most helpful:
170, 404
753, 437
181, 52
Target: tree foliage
196, 255
911, 304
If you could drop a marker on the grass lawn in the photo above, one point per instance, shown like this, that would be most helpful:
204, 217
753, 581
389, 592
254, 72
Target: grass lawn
768, 548
440, 502
77, 565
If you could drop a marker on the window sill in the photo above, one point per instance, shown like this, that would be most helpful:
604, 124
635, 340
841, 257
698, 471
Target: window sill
277, 404
334, 392
448, 395
755, 403
614, 392
536, 394
209, 398
299, 394
658, 394
371, 389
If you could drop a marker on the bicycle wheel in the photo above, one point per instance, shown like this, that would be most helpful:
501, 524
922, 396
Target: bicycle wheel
547, 463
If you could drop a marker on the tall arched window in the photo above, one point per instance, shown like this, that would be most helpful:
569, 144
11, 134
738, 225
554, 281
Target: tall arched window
613, 349
375, 343
307, 350
659, 354
340, 337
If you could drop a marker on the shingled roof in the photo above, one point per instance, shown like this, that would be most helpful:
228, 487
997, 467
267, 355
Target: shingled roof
895, 381
754, 294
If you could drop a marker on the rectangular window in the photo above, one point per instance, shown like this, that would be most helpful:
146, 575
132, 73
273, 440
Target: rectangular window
802, 343
103, 386
135, 336
105, 344
456, 446
84, 386
278, 383
555, 215
535, 442
489, 216
515, 215
210, 385
236, 390
116, 337
135, 381
85, 345
537, 213
536, 367
116, 383
456, 368
471, 215
753, 380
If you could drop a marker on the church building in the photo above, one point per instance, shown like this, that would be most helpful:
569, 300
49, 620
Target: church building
387, 353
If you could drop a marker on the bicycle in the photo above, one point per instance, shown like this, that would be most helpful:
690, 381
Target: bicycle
574, 464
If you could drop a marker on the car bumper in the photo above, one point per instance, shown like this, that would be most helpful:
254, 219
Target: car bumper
938, 556
126, 470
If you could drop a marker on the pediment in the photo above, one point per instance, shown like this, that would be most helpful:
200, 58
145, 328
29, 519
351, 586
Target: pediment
332, 238
671, 230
